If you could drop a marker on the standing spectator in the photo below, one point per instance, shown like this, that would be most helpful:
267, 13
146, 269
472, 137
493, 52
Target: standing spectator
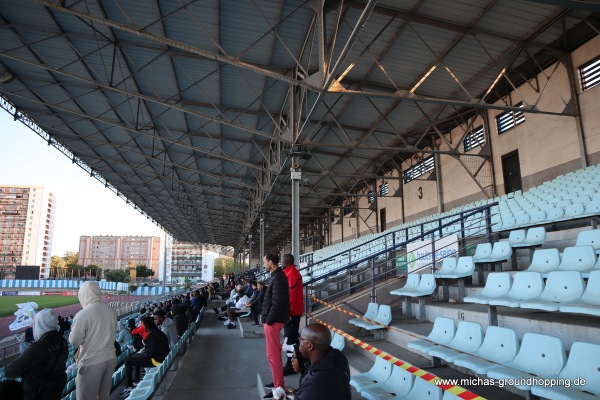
291, 329
275, 313
167, 326
93, 331
329, 374
154, 353
256, 301
42, 365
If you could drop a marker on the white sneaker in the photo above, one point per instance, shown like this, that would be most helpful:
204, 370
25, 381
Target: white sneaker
226, 322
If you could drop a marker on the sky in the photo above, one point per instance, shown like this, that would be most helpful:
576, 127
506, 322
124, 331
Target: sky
83, 205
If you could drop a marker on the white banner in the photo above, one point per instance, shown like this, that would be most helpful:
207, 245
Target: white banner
419, 252
25, 313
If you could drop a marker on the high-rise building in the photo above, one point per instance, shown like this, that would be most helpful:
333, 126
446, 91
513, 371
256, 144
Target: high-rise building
26, 228
118, 252
194, 261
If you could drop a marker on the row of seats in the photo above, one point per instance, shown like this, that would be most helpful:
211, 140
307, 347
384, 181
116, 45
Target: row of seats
382, 314
564, 291
499, 355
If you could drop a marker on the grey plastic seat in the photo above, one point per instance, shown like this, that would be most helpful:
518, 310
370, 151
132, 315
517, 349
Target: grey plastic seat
583, 364
589, 238
499, 346
526, 285
589, 302
370, 314
482, 252
383, 317
399, 383
442, 333
467, 339
412, 282
561, 287
496, 285
540, 355
422, 390
544, 261
464, 268
448, 267
578, 258
379, 373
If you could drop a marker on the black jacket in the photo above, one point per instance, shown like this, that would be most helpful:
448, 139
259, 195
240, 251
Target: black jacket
258, 296
328, 378
42, 367
276, 304
156, 345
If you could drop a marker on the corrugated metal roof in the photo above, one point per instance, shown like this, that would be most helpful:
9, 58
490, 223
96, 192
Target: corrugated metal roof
185, 107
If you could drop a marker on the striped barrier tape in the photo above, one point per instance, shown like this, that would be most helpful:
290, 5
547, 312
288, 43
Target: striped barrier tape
428, 376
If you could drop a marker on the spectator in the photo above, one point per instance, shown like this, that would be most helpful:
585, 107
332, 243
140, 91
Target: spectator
291, 329
123, 334
11, 389
155, 351
238, 309
179, 318
198, 302
167, 326
139, 334
256, 301
275, 313
93, 331
42, 365
27, 339
329, 374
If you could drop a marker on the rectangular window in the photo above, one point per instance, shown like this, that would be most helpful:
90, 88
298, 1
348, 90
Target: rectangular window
589, 74
474, 138
419, 169
371, 197
509, 119
383, 189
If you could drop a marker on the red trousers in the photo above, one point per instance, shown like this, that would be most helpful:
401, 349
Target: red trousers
272, 337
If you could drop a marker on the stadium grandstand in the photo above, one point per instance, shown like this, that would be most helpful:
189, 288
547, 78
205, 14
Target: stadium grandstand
432, 165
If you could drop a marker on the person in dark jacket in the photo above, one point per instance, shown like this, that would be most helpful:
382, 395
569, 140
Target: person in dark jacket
255, 303
179, 318
328, 376
275, 314
156, 349
42, 365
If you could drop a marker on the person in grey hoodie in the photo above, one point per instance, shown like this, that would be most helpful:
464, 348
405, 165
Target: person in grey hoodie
93, 331
167, 326
123, 334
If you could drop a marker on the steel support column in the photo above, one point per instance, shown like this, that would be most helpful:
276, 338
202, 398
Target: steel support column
296, 175
250, 251
262, 237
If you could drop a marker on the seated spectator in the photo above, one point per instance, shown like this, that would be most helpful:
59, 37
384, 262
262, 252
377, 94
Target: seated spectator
179, 318
167, 326
123, 334
25, 340
238, 309
42, 365
11, 389
139, 335
155, 351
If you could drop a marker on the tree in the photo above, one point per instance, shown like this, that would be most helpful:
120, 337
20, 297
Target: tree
58, 267
117, 275
223, 265
74, 270
71, 257
94, 270
141, 271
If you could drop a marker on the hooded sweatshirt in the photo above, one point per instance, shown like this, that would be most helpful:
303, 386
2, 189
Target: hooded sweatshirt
42, 365
123, 334
169, 329
94, 327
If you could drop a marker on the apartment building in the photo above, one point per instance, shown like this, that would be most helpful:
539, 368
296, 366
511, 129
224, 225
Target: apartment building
26, 228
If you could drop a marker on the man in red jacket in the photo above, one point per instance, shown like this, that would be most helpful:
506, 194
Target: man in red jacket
291, 329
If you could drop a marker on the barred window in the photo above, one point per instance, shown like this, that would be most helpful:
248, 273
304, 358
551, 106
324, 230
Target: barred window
474, 138
371, 197
419, 169
383, 189
589, 74
509, 119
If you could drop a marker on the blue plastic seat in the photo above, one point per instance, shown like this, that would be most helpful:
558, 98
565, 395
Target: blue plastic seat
593, 207
561, 287
482, 252
337, 341
500, 345
589, 302
544, 261
578, 258
589, 238
583, 364
497, 284
422, 390
379, 372
516, 237
535, 236
468, 338
448, 267
526, 285
399, 383
464, 268
383, 317
501, 251
370, 314
442, 333
574, 210
540, 355
554, 214
412, 282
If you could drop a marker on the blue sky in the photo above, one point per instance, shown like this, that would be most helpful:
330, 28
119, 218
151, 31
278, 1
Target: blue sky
84, 205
